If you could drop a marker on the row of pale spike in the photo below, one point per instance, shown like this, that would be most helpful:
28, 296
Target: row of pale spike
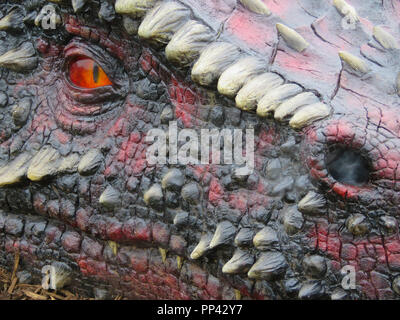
270, 262
47, 162
226, 234
237, 75
266, 241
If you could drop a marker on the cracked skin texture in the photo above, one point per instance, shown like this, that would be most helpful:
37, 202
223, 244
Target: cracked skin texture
97, 222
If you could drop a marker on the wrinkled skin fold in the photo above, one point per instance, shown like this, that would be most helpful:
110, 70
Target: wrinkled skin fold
316, 80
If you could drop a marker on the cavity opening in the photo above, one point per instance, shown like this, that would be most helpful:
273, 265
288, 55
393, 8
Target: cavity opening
347, 166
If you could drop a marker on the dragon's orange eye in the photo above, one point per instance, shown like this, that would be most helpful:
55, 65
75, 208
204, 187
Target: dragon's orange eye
86, 73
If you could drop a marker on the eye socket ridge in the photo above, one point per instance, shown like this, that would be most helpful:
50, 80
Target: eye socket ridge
348, 166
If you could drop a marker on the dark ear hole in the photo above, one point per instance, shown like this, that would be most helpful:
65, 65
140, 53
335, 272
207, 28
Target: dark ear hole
347, 166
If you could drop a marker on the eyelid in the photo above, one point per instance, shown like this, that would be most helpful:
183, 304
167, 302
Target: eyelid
78, 49
111, 66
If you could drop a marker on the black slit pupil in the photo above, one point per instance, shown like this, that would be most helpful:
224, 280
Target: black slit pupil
95, 73
347, 166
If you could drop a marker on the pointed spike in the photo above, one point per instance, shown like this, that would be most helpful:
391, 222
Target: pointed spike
385, 38
45, 163
312, 289
134, 8
358, 224
346, 10
163, 253
233, 78
90, 162
273, 99
312, 203
68, 164
20, 112
191, 193
185, 46
339, 294
240, 262
244, 237
248, 97
213, 61
110, 197
179, 262
238, 295
396, 285
20, 59
181, 219
256, 6
173, 180
13, 21
223, 235
389, 224
309, 114
114, 247
56, 276
269, 266
78, 5
154, 197
162, 22
288, 107
354, 62
292, 221
265, 239
202, 247
14, 171
292, 38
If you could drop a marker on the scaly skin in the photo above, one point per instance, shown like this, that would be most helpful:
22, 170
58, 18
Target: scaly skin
100, 224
